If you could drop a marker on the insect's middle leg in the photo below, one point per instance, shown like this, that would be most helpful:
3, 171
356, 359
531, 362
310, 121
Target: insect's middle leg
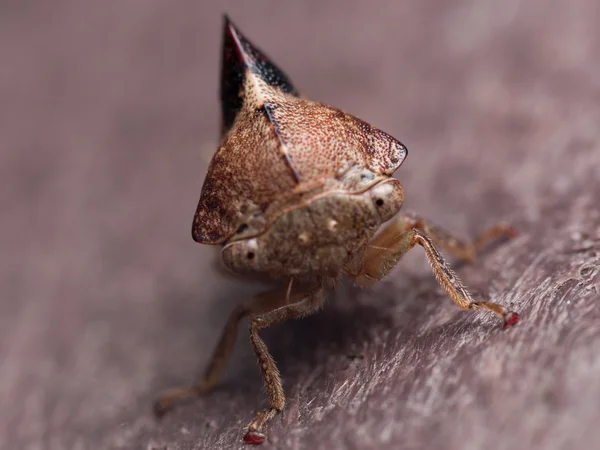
310, 304
466, 251
386, 249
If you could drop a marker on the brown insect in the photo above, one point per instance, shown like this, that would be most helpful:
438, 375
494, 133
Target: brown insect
297, 191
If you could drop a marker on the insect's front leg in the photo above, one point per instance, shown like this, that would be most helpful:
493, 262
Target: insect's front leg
458, 248
386, 249
308, 305
263, 309
259, 304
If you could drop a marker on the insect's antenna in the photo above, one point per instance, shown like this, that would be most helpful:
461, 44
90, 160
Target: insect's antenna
289, 291
379, 248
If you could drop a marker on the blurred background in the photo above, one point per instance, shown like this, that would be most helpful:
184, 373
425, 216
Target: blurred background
109, 116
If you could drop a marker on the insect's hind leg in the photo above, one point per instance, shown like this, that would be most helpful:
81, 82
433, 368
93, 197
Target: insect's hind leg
466, 251
386, 249
272, 379
258, 304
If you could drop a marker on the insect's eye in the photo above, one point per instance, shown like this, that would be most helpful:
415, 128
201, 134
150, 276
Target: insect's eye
379, 202
243, 227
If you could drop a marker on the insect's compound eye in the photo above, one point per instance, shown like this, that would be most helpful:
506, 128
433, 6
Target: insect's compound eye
380, 193
387, 197
250, 249
241, 255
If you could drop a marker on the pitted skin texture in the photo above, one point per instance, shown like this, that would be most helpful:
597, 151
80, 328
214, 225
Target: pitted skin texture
319, 237
277, 145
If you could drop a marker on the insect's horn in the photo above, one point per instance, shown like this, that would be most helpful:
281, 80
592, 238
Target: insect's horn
240, 59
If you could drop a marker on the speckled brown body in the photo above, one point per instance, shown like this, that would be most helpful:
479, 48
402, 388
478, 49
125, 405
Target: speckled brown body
299, 191
316, 235
280, 147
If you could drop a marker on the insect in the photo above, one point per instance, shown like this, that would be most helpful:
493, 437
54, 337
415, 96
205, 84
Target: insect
297, 191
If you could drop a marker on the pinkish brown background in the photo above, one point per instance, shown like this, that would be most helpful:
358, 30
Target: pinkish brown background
108, 118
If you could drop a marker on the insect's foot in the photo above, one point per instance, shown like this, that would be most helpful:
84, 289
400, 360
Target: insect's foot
166, 401
254, 437
511, 318
511, 232
161, 407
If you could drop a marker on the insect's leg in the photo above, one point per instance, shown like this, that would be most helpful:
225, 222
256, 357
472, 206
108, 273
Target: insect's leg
271, 377
258, 304
463, 250
385, 250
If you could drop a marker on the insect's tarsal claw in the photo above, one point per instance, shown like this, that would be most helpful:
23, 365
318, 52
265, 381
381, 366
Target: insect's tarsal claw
511, 319
160, 408
254, 438
511, 232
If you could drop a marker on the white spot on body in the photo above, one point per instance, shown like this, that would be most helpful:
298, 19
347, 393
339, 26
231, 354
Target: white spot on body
383, 190
303, 237
252, 244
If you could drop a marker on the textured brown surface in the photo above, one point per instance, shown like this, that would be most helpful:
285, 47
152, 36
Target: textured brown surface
108, 118
278, 149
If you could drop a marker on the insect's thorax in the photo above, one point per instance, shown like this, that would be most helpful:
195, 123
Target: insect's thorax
317, 236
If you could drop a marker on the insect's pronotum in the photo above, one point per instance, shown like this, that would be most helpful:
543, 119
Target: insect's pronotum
297, 191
